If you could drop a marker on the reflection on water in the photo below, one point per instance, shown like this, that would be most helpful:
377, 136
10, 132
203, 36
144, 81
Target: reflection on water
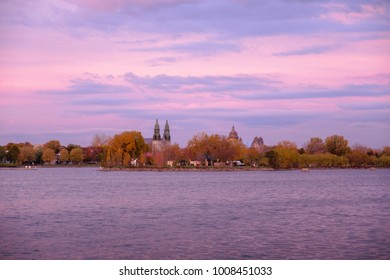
84, 213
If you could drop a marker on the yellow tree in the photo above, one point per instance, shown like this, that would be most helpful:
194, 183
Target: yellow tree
195, 147
126, 160
64, 155
287, 155
76, 155
48, 155
125, 146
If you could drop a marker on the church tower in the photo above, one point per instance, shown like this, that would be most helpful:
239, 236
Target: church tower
158, 142
156, 135
167, 134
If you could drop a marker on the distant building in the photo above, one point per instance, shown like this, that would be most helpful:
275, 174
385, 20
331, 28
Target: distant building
233, 135
158, 142
258, 144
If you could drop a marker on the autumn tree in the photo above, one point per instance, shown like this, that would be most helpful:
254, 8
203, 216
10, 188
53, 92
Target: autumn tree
70, 147
169, 152
195, 147
124, 146
64, 155
27, 153
93, 154
315, 146
48, 155
336, 145
287, 155
219, 148
253, 157
383, 161
100, 140
358, 158
239, 148
214, 147
326, 160
385, 151
76, 155
54, 145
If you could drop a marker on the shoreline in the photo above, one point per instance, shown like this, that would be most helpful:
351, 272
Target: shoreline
184, 169
187, 169
228, 169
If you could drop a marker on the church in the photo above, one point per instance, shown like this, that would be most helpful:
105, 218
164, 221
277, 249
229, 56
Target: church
157, 143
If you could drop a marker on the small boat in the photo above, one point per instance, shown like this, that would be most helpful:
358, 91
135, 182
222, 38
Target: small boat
305, 169
29, 167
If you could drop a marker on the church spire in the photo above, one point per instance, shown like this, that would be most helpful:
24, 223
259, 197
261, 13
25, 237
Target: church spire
156, 135
167, 134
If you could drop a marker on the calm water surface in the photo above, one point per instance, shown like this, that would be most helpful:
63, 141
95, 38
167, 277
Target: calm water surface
85, 213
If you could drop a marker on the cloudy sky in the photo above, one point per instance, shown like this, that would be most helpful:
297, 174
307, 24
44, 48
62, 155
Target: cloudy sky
283, 70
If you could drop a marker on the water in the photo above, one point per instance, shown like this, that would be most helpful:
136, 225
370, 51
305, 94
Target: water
85, 213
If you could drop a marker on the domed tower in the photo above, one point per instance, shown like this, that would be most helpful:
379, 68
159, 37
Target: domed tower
233, 135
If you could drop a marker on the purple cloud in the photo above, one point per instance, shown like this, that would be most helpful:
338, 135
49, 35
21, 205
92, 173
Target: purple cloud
307, 51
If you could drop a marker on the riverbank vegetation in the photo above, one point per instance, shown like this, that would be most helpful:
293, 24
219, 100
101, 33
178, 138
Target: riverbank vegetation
128, 149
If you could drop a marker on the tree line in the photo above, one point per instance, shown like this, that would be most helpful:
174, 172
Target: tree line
50, 153
129, 149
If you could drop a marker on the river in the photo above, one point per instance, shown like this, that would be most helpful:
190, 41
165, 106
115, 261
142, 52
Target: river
86, 213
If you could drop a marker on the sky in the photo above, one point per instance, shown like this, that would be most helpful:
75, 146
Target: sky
282, 70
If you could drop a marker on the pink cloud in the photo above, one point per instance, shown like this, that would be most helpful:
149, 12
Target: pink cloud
80, 67
102, 5
342, 13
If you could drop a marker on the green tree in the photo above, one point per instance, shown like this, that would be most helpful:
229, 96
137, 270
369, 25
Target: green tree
383, 161
12, 153
76, 155
337, 145
39, 155
273, 159
2, 154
